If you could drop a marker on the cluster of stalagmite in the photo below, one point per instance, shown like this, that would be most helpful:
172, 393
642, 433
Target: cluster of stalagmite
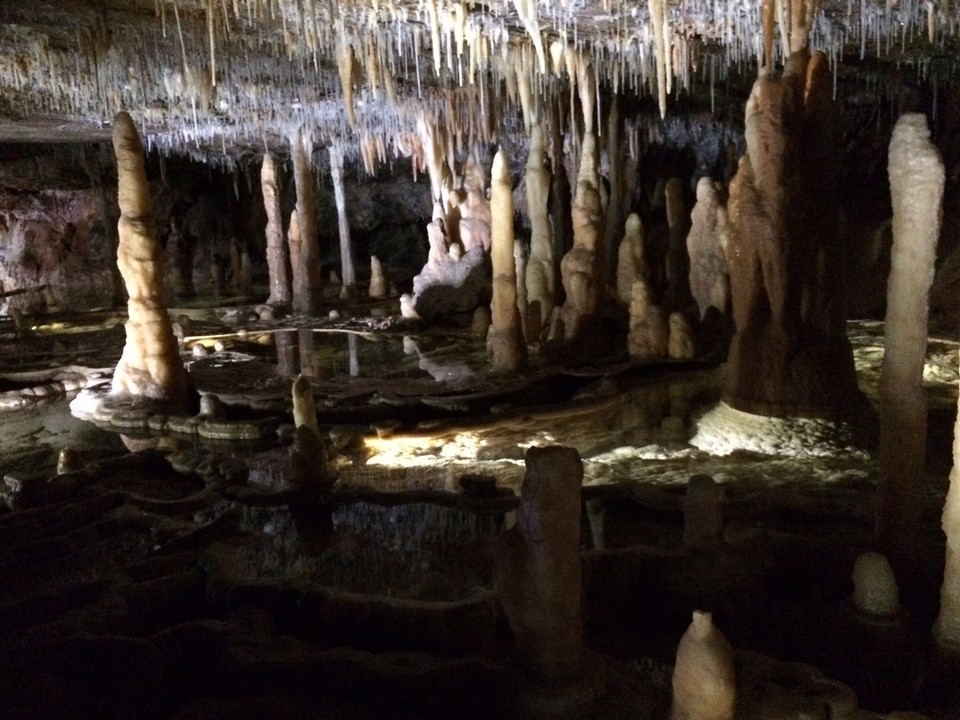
790, 353
916, 193
150, 365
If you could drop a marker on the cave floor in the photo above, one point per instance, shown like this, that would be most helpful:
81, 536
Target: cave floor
192, 581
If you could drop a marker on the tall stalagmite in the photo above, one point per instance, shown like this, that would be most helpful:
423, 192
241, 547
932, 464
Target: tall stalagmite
348, 273
790, 353
541, 270
505, 340
946, 631
709, 277
277, 258
916, 193
307, 290
150, 365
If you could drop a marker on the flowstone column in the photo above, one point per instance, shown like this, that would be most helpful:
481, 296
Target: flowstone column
150, 365
505, 341
790, 354
307, 290
916, 192
277, 262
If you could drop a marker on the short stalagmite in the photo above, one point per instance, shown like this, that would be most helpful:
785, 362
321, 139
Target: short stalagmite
916, 193
538, 565
150, 365
704, 681
648, 338
631, 263
505, 340
379, 282
307, 289
875, 592
541, 270
277, 257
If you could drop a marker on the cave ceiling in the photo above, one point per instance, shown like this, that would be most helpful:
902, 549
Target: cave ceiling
221, 78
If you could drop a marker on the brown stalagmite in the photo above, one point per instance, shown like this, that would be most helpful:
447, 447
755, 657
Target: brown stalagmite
150, 365
541, 270
307, 290
709, 276
277, 259
631, 263
348, 272
916, 193
579, 269
704, 675
505, 340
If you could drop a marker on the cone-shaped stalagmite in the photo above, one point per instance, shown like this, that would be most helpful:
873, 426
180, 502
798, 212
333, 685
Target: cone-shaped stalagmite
150, 365
916, 191
307, 290
631, 263
505, 340
277, 259
704, 681
790, 353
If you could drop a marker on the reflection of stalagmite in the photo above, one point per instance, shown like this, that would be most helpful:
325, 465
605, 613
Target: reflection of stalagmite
307, 290
507, 349
347, 270
277, 262
150, 365
631, 263
916, 193
541, 272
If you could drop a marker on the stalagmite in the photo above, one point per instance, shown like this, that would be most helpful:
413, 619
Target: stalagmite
946, 631
709, 277
916, 193
150, 365
680, 345
580, 267
307, 290
875, 591
631, 263
348, 274
475, 218
379, 283
648, 338
541, 267
538, 565
615, 205
277, 256
294, 246
505, 339
704, 680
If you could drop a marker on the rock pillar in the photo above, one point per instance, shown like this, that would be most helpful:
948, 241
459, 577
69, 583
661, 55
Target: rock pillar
541, 271
307, 290
277, 260
505, 339
150, 365
348, 271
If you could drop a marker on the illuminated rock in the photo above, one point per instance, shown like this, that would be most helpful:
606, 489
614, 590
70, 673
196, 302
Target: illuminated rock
704, 683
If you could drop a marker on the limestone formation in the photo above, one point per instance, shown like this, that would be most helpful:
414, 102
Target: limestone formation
946, 631
150, 365
680, 344
277, 256
790, 353
538, 565
347, 268
580, 268
541, 266
916, 194
875, 591
475, 218
505, 341
709, 276
379, 282
648, 338
631, 263
307, 289
704, 681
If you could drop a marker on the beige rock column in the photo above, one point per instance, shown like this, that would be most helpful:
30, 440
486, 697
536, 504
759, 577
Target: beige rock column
916, 192
946, 631
277, 259
150, 365
541, 266
704, 680
631, 263
307, 289
709, 276
348, 272
379, 282
538, 565
505, 339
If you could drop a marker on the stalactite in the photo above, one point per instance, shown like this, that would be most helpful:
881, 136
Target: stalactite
527, 10
345, 69
657, 20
